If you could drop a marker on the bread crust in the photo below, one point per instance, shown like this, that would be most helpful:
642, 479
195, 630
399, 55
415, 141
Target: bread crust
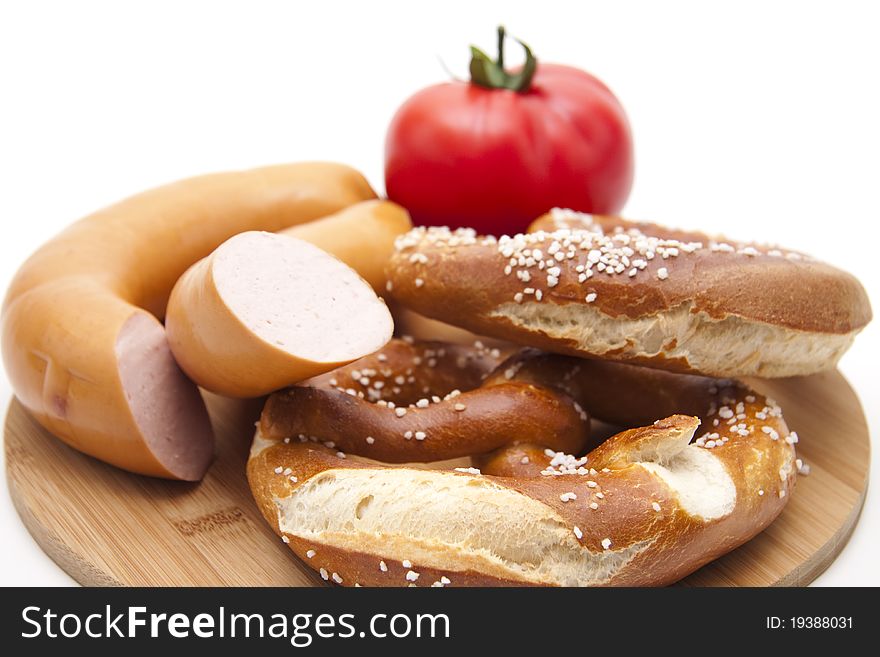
788, 289
626, 516
423, 401
720, 308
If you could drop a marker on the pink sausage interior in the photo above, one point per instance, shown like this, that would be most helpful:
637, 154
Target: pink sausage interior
297, 298
167, 407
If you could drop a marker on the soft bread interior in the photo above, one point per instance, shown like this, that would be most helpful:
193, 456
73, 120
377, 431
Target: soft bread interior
447, 521
457, 522
711, 346
700, 481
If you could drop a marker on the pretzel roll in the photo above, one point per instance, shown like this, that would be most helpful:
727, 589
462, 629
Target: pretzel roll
640, 293
522, 460
647, 507
616, 393
423, 402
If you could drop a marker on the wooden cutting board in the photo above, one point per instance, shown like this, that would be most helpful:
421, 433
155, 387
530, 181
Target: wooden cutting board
108, 527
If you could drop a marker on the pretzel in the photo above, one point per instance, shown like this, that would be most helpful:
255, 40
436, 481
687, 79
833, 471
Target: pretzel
424, 401
646, 507
635, 292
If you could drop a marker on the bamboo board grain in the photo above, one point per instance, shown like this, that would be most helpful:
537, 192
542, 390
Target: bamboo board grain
108, 527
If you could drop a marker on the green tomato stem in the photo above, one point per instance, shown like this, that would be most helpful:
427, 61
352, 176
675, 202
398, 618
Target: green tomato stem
491, 74
501, 35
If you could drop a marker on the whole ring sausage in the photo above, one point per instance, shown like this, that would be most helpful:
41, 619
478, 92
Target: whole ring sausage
82, 341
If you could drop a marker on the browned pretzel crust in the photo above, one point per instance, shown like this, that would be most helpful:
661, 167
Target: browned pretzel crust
646, 507
423, 401
639, 293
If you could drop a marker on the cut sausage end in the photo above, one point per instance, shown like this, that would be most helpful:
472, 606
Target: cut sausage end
299, 299
166, 406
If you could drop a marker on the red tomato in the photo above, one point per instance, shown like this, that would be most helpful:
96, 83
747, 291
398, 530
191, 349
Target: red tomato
469, 154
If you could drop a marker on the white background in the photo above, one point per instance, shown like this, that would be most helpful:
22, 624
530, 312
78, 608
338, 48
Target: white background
757, 119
